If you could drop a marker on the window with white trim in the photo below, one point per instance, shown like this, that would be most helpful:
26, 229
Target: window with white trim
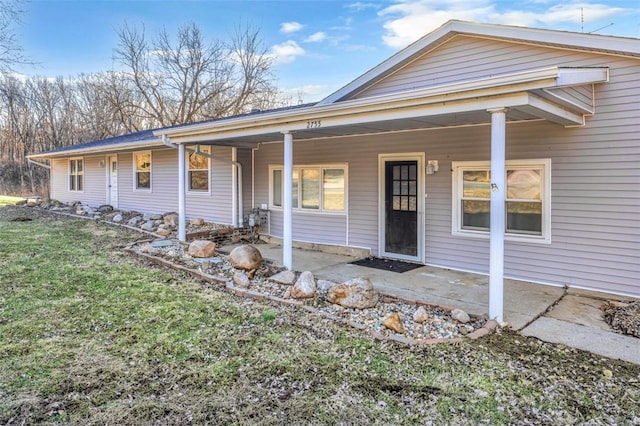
142, 170
76, 174
198, 170
315, 188
527, 199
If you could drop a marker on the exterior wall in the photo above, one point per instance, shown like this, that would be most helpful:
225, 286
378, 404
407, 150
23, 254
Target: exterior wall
215, 206
466, 58
95, 181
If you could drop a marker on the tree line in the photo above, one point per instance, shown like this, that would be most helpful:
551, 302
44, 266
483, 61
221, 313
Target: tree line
161, 81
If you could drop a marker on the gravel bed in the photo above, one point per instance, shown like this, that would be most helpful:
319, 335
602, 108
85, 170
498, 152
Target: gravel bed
439, 324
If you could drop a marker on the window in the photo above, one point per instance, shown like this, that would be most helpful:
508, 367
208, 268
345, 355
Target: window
198, 170
527, 202
315, 188
76, 174
142, 169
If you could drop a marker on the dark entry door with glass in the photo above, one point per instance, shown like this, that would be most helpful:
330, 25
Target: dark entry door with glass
401, 207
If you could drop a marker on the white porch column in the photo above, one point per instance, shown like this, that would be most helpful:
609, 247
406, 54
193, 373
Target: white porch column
497, 212
287, 203
182, 220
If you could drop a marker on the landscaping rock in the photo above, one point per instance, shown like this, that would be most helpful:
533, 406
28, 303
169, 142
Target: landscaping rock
393, 322
284, 277
134, 221
357, 293
323, 286
241, 279
171, 219
105, 208
197, 222
163, 232
117, 218
305, 286
21, 202
460, 316
245, 257
202, 248
148, 226
420, 315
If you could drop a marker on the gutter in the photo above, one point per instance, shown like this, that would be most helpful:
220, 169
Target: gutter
46, 166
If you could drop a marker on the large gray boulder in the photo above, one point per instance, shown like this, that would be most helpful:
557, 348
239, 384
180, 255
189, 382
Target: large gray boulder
305, 286
245, 257
202, 248
356, 293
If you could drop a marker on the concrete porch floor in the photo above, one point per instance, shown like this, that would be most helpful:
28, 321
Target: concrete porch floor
575, 321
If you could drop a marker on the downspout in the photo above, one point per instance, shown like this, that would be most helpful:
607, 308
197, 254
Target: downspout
182, 220
238, 218
46, 166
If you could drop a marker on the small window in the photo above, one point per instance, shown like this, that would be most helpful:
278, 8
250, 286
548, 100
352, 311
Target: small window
527, 199
314, 188
76, 174
142, 168
198, 170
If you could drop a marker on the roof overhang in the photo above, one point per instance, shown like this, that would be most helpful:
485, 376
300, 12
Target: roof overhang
528, 96
103, 149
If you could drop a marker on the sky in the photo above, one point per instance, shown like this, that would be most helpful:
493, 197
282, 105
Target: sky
317, 46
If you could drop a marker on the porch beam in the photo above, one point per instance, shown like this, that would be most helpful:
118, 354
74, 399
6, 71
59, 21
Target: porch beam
497, 214
287, 203
182, 208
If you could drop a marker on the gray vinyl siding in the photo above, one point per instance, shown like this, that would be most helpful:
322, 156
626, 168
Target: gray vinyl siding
244, 157
467, 58
95, 181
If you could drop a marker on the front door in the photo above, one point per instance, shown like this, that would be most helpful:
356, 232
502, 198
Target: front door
113, 181
401, 207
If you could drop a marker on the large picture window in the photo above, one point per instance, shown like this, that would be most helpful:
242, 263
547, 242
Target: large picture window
527, 199
142, 170
76, 174
315, 188
198, 170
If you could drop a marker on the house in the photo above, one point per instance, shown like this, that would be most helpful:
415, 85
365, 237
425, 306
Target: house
493, 149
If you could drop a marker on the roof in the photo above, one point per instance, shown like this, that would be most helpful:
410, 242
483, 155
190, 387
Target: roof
145, 138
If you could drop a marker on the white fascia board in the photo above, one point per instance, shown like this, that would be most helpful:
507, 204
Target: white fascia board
552, 112
580, 76
102, 149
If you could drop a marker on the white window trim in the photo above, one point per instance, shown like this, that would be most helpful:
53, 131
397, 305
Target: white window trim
456, 194
209, 174
69, 174
135, 172
299, 209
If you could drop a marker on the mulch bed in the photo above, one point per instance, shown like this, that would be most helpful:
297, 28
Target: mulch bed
623, 317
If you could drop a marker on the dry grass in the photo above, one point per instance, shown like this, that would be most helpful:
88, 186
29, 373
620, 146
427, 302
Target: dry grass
90, 336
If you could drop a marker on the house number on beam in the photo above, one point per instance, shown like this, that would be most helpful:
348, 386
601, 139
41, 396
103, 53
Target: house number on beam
314, 124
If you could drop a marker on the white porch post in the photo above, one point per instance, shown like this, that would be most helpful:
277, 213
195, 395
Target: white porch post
182, 220
497, 213
287, 203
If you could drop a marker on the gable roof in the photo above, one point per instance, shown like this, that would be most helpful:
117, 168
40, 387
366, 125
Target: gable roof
563, 39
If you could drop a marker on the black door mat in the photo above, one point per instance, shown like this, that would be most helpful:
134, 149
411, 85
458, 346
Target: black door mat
386, 264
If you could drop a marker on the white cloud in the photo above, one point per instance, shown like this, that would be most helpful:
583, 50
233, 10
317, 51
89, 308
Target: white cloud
290, 27
286, 52
408, 20
359, 6
316, 37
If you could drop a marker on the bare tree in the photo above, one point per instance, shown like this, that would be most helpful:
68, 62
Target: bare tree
11, 52
186, 79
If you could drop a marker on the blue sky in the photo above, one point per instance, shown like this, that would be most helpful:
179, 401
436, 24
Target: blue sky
318, 46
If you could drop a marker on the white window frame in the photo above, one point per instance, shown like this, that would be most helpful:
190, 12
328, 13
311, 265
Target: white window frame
135, 171
456, 205
208, 170
297, 170
81, 174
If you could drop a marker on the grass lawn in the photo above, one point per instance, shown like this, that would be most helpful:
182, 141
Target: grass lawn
91, 336
7, 200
